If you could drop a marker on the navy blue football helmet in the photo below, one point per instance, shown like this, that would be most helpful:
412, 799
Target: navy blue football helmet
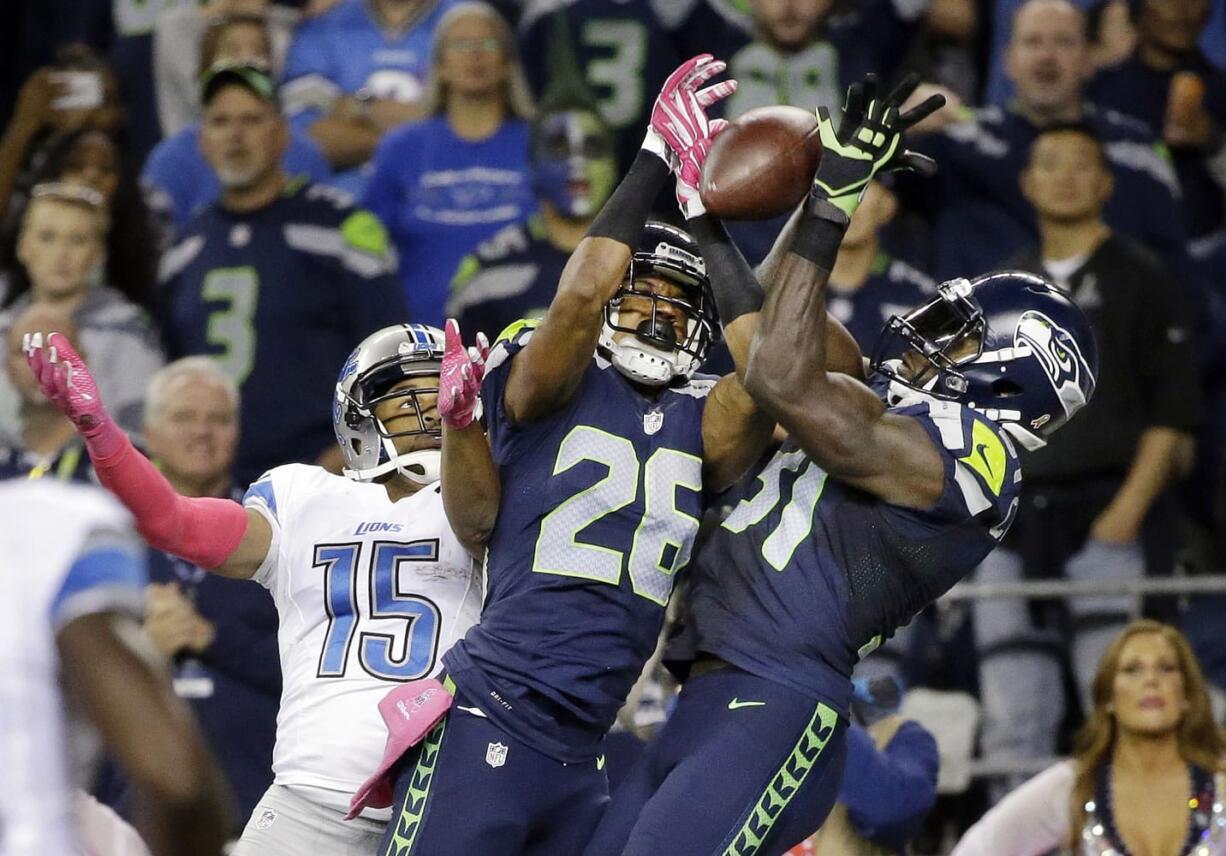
651, 354
1008, 344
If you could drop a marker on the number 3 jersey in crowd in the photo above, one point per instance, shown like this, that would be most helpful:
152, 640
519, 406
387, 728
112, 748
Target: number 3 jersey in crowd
369, 593
600, 505
277, 296
807, 574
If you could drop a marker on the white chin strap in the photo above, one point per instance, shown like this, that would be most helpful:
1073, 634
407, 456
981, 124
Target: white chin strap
422, 467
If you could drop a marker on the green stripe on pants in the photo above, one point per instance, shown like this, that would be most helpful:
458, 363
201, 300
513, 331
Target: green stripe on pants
414, 806
785, 783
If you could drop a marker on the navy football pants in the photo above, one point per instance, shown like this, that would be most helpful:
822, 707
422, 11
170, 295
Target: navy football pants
470, 789
744, 767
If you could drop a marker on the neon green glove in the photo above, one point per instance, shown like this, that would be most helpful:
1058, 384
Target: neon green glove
868, 141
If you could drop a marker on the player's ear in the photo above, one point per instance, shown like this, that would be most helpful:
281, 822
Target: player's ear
282, 135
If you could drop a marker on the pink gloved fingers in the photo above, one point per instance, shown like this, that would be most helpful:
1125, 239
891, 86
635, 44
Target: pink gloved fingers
683, 71
457, 398
715, 93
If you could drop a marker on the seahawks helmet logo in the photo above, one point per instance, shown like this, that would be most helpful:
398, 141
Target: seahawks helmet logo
1057, 352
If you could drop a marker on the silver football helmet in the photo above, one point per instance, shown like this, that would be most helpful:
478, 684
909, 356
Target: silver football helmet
383, 359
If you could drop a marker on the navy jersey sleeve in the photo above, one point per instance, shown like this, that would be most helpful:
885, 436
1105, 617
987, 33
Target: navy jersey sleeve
889, 791
364, 266
501, 430
982, 472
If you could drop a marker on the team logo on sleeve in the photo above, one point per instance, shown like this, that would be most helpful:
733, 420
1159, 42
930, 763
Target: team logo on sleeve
1057, 352
496, 755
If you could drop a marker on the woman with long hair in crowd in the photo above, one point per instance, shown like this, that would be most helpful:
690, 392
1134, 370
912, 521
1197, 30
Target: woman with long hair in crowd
1145, 777
449, 181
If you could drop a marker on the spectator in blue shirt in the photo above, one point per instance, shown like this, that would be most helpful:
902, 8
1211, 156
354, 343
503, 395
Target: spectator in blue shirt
176, 174
448, 182
514, 274
356, 72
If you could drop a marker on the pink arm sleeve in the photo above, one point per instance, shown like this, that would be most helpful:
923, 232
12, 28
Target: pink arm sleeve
202, 530
1031, 820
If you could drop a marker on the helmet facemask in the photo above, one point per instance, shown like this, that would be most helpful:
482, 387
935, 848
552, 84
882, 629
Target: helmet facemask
650, 352
923, 349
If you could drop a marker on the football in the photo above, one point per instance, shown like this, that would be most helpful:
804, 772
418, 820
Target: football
762, 164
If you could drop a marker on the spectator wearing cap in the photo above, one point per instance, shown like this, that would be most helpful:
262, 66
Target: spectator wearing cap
977, 212
446, 183
276, 279
59, 249
1094, 493
187, 40
356, 72
178, 177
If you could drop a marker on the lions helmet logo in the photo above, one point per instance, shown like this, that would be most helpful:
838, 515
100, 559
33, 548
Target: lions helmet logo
1057, 352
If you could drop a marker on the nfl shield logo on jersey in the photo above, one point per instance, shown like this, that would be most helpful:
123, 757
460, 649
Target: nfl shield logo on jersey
653, 421
496, 755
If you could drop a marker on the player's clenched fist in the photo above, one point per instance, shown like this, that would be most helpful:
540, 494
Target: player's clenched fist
459, 381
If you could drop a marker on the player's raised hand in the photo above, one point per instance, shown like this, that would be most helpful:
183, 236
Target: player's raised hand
679, 124
459, 382
65, 380
868, 140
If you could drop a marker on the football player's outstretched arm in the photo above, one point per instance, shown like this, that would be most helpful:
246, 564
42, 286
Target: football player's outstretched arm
837, 420
217, 534
179, 791
546, 373
471, 485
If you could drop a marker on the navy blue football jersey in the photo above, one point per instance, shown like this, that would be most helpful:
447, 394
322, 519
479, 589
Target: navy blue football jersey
512, 275
623, 50
893, 288
600, 505
807, 574
279, 297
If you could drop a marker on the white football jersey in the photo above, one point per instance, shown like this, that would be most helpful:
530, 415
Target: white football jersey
370, 593
65, 551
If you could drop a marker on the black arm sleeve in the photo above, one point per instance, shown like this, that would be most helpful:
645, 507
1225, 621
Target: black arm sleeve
1171, 382
737, 290
622, 218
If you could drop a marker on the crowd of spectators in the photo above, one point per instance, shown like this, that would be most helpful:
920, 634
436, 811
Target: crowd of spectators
248, 188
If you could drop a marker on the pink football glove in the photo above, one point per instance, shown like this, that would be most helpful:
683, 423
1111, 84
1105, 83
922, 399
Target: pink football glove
680, 120
459, 381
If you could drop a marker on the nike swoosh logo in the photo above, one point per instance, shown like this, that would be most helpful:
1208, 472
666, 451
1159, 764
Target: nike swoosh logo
737, 704
600, 763
979, 448
473, 710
